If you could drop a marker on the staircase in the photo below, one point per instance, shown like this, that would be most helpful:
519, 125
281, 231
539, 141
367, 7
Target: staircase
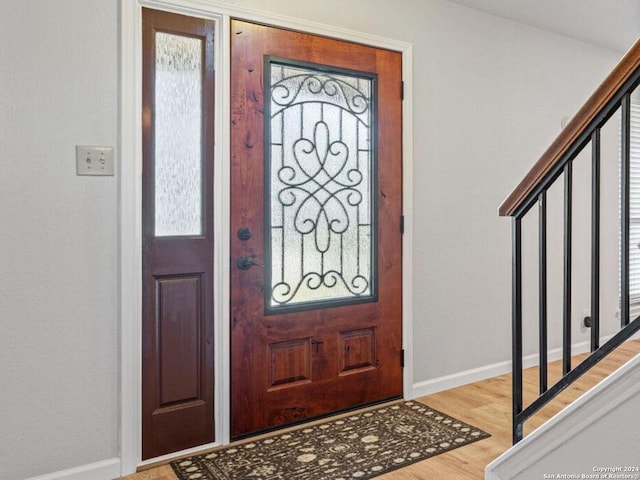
591, 438
554, 172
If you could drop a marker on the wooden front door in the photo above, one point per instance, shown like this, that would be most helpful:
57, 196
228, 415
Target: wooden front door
177, 233
316, 179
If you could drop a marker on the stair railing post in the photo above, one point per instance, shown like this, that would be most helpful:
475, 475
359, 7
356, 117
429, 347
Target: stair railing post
625, 205
567, 248
542, 288
517, 328
595, 240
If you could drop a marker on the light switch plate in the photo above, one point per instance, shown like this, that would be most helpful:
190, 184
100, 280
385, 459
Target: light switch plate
94, 160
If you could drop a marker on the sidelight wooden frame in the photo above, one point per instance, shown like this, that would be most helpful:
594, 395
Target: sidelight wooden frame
130, 207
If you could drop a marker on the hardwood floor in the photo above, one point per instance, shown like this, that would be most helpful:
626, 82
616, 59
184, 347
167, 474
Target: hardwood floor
487, 405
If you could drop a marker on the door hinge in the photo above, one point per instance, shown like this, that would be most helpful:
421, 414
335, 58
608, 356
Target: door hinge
402, 224
402, 358
402, 90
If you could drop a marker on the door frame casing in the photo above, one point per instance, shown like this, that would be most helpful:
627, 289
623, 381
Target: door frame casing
130, 204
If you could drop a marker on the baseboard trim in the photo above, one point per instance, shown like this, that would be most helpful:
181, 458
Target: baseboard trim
447, 382
103, 470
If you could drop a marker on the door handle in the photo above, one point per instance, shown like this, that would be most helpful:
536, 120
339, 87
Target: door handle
246, 262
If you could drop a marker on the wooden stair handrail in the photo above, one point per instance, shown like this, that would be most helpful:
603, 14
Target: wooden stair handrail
603, 94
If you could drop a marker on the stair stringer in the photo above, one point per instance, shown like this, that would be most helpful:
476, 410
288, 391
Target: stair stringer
599, 430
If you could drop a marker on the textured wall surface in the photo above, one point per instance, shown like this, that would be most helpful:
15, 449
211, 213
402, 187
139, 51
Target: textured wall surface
58, 241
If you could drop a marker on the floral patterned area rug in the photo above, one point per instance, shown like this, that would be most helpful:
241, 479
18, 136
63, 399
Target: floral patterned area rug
359, 446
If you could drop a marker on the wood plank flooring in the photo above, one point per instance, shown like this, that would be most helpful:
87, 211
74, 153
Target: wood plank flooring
487, 405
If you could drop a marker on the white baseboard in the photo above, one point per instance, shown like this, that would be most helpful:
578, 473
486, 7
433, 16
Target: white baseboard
103, 470
447, 382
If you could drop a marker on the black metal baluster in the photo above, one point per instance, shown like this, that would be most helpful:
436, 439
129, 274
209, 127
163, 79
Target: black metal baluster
564, 166
542, 287
566, 307
517, 328
625, 202
595, 240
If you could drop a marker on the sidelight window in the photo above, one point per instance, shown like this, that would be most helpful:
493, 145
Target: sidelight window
178, 135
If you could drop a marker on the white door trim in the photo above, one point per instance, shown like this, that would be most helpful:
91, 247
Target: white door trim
130, 205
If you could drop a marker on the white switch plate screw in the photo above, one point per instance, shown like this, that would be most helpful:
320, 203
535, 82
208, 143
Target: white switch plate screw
93, 160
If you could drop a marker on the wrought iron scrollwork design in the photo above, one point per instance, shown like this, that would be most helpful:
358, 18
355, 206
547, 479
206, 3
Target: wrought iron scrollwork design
321, 185
298, 88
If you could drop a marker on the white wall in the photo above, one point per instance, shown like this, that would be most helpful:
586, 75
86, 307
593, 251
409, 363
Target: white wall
58, 243
488, 98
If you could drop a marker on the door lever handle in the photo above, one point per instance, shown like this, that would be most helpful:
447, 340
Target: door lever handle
246, 262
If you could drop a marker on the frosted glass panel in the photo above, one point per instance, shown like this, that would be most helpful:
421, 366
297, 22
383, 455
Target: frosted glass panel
320, 186
178, 131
